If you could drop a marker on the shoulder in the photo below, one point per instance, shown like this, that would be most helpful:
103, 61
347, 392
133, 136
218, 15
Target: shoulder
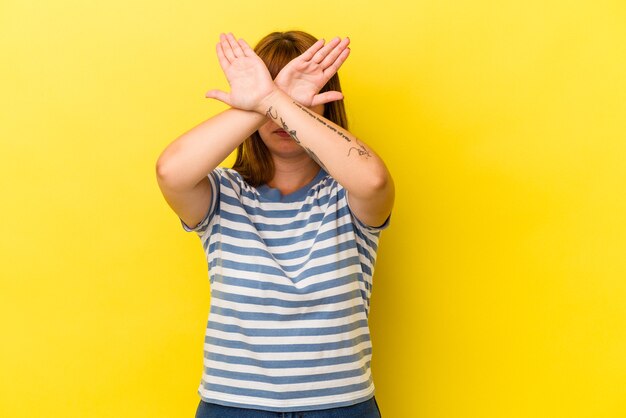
230, 176
228, 173
327, 182
231, 179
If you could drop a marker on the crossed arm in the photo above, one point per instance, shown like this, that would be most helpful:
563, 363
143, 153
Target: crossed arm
349, 160
254, 96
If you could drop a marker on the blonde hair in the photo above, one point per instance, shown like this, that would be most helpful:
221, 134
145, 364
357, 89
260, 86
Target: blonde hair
254, 162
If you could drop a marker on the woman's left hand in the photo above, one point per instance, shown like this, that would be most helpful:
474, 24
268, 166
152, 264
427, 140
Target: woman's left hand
249, 79
304, 76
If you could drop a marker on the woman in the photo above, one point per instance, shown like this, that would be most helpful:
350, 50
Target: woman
290, 233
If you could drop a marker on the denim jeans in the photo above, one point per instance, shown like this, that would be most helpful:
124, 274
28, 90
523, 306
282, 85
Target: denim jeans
367, 409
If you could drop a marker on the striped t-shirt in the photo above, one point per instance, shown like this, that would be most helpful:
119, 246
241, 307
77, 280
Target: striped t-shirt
291, 279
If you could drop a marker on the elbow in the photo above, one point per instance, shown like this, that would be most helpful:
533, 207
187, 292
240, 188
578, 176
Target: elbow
378, 182
381, 179
168, 163
166, 172
161, 169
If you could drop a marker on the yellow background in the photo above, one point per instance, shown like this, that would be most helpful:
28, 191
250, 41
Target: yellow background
501, 285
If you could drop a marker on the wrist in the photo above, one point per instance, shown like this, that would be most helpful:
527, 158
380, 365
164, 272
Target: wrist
266, 102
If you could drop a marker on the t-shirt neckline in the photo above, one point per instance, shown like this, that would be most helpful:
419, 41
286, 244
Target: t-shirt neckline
273, 195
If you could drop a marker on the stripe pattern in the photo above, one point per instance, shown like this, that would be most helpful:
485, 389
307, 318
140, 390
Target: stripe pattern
291, 280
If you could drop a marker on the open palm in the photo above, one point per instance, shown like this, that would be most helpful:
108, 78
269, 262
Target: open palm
247, 75
304, 76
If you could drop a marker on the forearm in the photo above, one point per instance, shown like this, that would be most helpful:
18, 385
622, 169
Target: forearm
194, 154
348, 159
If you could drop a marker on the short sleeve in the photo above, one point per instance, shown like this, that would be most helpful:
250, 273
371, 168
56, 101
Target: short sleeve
201, 228
362, 225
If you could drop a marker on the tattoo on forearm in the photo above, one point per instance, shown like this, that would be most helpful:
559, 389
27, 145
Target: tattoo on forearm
289, 131
361, 150
269, 113
323, 122
274, 115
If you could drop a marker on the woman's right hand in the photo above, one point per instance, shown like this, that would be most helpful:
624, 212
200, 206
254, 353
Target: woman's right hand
304, 76
249, 79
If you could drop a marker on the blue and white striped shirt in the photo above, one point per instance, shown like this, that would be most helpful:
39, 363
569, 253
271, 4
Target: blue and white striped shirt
291, 279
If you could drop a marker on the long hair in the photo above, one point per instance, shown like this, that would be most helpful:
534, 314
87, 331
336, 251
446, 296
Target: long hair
254, 162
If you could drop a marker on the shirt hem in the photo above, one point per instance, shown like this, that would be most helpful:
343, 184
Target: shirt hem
293, 408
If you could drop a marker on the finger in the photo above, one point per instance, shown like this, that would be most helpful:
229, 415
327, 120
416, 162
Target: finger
220, 95
234, 45
248, 52
332, 56
330, 71
321, 54
308, 54
326, 97
224, 63
228, 50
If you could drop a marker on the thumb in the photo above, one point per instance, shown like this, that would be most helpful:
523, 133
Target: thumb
326, 97
220, 95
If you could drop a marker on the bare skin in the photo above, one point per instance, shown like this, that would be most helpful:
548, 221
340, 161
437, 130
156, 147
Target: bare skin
292, 103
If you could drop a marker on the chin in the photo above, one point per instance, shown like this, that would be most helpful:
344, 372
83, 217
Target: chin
289, 152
